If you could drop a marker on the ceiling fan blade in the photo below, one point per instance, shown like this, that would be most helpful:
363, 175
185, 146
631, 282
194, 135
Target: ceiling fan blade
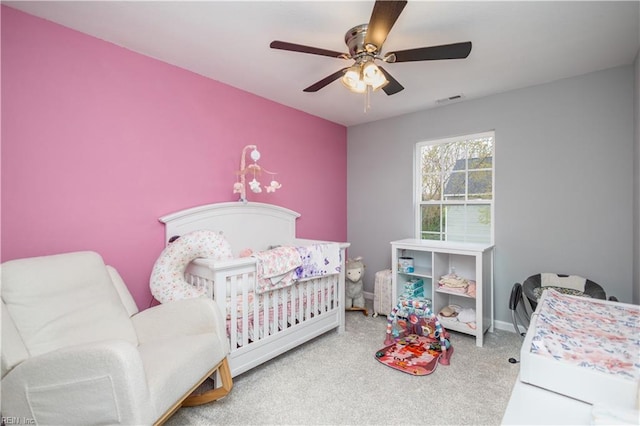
433, 53
283, 45
393, 86
384, 16
325, 81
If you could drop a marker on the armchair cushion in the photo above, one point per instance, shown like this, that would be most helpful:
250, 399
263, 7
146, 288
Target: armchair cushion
168, 321
36, 294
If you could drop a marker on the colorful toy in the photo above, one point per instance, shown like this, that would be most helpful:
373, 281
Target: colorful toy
415, 341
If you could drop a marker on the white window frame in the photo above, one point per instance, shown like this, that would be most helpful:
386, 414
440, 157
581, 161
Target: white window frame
417, 181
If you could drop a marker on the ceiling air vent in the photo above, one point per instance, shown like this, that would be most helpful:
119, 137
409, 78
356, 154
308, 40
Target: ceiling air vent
453, 98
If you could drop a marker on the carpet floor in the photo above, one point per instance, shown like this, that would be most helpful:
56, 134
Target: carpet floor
336, 380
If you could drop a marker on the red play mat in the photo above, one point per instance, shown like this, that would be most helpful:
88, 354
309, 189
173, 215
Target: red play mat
414, 354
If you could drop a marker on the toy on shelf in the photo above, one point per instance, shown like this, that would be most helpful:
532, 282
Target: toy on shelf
413, 290
415, 341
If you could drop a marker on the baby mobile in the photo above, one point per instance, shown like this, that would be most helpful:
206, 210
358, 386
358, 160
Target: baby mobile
253, 169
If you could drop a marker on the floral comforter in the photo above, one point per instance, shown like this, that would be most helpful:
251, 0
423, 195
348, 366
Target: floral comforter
276, 268
318, 260
284, 265
589, 333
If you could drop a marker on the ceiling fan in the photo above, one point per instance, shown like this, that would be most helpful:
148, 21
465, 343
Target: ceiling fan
365, 47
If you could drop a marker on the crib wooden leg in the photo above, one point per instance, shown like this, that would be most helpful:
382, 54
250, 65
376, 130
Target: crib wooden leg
213, 394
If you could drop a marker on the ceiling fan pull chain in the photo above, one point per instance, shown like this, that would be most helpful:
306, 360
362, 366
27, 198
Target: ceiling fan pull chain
367, 99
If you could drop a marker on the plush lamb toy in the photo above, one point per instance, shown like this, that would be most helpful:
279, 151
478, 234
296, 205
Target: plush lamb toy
354, 285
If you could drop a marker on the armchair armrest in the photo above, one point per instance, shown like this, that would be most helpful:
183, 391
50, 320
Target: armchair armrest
180, 318
107, 379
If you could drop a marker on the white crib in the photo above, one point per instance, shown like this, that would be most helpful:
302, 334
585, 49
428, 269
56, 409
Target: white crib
263, 325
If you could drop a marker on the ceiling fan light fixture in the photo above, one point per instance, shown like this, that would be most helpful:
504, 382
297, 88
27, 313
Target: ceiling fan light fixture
352, 79
373, 76
362, 75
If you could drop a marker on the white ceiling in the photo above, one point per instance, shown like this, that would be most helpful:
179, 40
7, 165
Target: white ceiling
515, 44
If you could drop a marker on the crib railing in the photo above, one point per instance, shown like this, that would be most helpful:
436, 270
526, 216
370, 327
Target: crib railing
252, 316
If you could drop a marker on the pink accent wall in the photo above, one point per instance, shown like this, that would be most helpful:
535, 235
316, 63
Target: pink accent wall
98, 142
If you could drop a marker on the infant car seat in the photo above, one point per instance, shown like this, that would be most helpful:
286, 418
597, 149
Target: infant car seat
533, 288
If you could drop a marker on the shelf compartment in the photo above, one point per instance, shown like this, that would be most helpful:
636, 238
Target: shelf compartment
419, 271
453, 293
461, 327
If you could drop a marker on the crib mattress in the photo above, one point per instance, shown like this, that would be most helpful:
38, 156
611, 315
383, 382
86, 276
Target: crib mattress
584, 348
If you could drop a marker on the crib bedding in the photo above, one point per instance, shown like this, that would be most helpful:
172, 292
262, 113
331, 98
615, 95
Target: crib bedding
275, 268
282, 266
584, 348
243, 288
318, 260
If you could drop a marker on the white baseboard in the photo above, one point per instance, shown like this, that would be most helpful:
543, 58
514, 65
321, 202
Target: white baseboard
506, 326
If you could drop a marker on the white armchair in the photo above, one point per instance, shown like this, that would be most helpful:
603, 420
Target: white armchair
75, 349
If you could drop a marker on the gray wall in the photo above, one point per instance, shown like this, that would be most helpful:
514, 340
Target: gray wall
636, 187
563, 180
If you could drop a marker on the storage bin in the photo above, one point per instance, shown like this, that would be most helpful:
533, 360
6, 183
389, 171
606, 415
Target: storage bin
405, 265
383, 301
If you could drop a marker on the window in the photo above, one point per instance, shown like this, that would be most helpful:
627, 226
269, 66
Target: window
454, 188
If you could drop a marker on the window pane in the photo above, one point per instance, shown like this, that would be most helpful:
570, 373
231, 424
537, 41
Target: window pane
431, 187
455, 186
453, 156
467, 223
431, 220
483, 161
480, 151
480, 185
479, 223
454, 217
458, 238
431, 236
